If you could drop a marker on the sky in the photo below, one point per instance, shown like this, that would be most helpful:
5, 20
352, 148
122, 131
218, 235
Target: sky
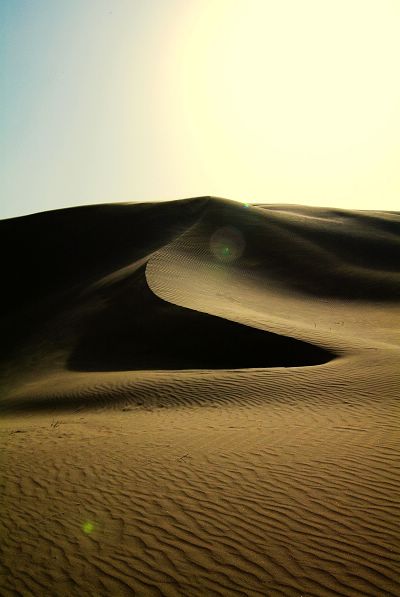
264, 101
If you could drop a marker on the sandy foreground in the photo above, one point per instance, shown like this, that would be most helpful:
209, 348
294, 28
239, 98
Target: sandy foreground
200, 398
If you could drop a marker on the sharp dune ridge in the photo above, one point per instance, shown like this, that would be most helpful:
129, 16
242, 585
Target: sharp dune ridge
200, 397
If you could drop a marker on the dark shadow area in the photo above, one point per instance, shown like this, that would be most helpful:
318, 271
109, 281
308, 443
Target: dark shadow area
136, 330
50, 257
65, 249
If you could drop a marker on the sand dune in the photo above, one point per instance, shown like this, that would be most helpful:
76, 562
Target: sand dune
200, 398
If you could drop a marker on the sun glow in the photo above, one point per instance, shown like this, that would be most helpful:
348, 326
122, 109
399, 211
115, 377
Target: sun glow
263, 101
293, 101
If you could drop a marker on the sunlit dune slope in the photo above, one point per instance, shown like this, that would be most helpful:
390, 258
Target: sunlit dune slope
320, 252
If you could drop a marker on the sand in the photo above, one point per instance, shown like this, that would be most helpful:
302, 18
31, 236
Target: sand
200, 398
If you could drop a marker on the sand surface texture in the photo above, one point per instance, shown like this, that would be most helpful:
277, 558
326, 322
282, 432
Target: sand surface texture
200, 398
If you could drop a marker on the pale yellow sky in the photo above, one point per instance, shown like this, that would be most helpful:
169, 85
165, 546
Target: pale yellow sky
289, 101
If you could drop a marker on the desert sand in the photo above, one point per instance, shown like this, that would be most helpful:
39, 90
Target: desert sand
200, 398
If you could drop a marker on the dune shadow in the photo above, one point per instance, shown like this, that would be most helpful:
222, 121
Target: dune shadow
136, 330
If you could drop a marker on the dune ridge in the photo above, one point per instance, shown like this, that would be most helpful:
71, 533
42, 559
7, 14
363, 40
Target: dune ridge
200, 397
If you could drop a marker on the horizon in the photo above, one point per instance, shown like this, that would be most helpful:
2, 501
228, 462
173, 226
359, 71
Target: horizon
257, 102
283, 206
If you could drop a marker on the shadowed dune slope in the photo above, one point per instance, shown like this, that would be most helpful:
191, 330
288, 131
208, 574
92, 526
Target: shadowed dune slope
53, 257
137, 330
67, 249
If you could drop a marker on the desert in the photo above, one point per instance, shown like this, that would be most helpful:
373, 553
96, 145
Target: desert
200, 397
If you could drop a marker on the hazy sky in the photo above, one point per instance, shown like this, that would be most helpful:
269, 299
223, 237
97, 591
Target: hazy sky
288, 101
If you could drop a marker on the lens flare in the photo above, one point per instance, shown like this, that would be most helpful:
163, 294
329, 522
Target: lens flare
87, 527
227, 244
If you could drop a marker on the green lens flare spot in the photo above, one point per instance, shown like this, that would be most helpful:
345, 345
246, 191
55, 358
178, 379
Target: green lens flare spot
227, 244
246, 204
88, 527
